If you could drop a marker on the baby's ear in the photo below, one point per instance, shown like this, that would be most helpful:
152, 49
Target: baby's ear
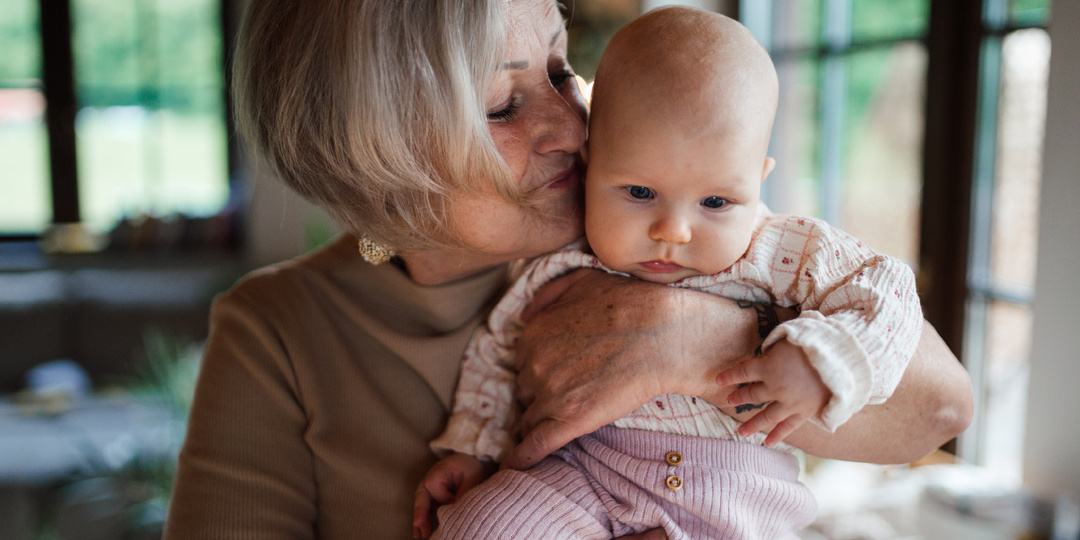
770, 164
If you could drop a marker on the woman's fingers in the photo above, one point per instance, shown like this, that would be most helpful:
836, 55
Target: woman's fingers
523, 388
548, 435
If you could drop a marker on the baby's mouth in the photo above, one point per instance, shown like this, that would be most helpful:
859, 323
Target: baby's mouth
660, 266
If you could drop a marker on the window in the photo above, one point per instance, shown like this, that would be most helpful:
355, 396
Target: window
1014, 64
24, 175
119, 113
917, 126
848, 134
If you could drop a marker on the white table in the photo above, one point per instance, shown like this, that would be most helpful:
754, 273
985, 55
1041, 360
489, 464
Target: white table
96, 436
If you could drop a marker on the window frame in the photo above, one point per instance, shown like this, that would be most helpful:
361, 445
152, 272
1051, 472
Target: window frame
963, 302
963, 42
58, 81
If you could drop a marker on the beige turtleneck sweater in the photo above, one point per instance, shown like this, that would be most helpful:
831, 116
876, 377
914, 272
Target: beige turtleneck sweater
323, 380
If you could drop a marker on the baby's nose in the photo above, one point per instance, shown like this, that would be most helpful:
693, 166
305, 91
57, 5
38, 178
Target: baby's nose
671, 228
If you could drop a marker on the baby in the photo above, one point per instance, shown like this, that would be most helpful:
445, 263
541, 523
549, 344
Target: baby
682, 112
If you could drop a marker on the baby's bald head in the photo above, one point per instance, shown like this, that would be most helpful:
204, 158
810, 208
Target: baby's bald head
701, 70
682, 107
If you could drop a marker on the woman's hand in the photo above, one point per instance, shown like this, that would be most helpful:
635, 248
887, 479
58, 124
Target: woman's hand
597, 346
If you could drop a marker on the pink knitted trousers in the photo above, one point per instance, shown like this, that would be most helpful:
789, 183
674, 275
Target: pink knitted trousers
622, 481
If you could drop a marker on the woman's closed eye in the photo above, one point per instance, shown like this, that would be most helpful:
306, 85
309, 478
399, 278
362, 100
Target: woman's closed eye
561, 77
713, 202
639, 192
504, 113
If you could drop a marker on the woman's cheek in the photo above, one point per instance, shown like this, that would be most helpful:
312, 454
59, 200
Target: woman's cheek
512, 147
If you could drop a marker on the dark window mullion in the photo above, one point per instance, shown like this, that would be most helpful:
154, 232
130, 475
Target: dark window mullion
59, 82
952, 89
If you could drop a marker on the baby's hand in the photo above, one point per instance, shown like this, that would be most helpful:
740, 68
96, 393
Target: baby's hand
783, 381
447, 480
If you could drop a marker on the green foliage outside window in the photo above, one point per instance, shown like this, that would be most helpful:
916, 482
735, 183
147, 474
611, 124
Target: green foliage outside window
150, 86
19, 40
156, 54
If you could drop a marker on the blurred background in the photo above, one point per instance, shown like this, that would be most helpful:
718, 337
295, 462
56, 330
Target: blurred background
920, 126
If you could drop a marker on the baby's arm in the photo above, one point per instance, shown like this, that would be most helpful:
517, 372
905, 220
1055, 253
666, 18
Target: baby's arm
485, 421
478, 432
484, 424
447, 480
859, 324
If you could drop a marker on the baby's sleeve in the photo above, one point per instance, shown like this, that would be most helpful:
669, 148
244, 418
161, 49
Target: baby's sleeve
860, 318
485, 420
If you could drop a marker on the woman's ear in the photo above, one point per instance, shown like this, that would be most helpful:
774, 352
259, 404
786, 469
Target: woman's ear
770, 164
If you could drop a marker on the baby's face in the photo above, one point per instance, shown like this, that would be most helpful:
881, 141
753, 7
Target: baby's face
663, 204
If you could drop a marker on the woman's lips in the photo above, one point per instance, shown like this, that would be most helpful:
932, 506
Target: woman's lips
566, 179
661, 267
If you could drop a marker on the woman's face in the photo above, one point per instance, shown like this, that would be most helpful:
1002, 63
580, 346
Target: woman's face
536, 116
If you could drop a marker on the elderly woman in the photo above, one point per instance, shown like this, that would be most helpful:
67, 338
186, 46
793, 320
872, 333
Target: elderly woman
445, 135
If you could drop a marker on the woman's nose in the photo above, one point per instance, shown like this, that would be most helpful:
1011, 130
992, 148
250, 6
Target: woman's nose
670, 228
562, 124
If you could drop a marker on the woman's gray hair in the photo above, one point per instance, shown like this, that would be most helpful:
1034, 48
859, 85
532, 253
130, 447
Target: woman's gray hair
374, 109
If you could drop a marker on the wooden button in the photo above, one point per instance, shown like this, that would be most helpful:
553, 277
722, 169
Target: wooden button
673, 458
674, 483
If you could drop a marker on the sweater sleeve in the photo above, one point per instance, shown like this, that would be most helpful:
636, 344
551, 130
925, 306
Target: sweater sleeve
244, 471
486, 415
860, 317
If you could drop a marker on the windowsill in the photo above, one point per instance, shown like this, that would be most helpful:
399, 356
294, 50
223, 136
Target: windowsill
27, 256
936, 497
97, 309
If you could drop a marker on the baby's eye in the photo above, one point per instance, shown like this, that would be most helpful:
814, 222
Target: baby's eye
713, 202
639, 192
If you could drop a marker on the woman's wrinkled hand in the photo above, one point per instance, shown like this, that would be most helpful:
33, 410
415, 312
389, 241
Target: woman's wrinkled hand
596, 346
579, 367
